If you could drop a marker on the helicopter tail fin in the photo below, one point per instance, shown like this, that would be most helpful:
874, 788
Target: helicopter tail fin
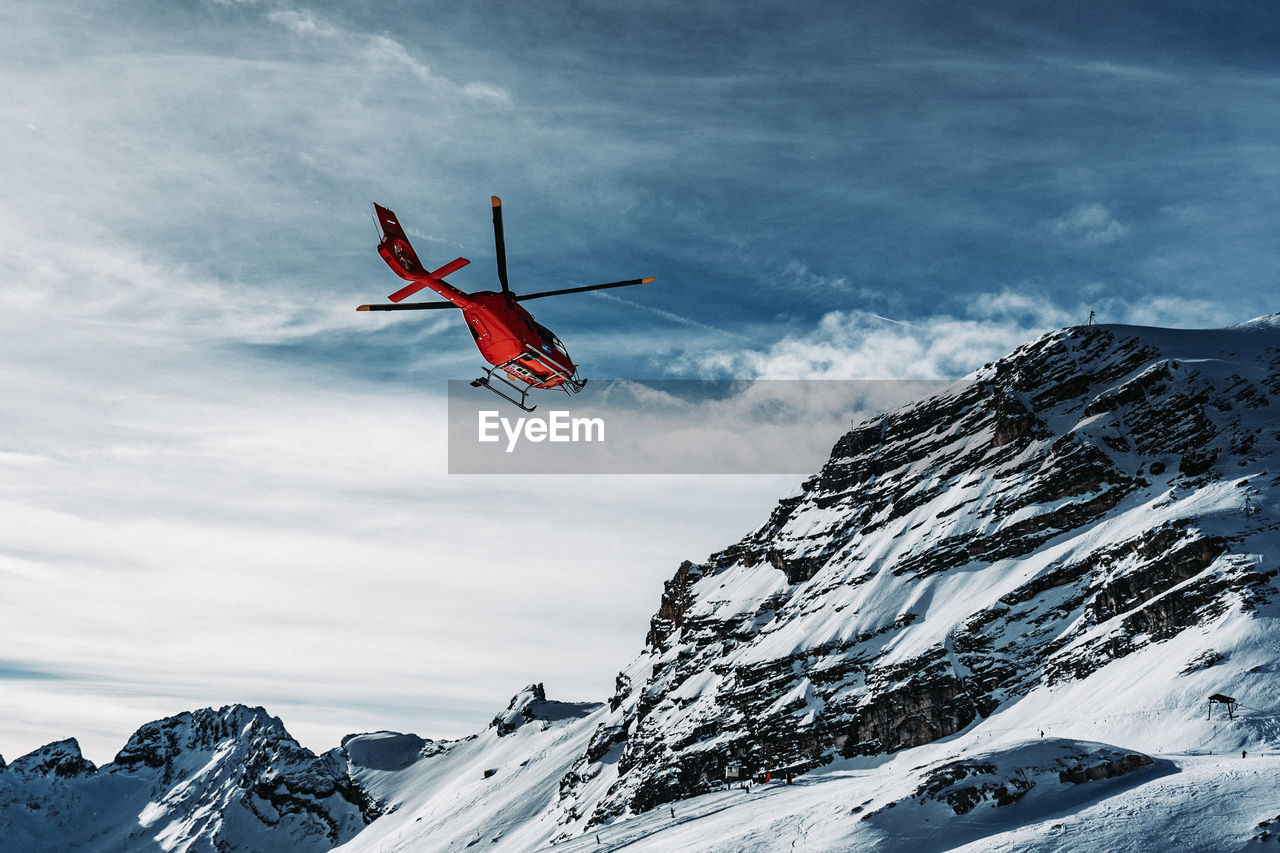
394, 246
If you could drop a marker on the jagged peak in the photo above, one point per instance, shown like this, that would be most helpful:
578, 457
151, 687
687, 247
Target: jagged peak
519, 709
159, 742
61, 758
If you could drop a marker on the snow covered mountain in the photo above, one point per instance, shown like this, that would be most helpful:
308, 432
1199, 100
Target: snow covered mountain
995, 617
231, 779
1085, 527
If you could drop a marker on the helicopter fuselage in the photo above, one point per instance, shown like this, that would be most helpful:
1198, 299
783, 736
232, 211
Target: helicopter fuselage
504, 331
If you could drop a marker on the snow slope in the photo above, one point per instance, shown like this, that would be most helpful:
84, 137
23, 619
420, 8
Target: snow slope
1211, 803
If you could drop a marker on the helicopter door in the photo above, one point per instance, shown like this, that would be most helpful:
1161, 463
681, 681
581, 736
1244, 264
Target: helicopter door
477, 327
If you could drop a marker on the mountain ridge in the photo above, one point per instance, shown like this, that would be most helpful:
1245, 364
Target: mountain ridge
215, 779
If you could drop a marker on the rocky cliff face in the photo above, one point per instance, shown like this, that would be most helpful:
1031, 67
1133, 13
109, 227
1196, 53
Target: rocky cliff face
1098, 492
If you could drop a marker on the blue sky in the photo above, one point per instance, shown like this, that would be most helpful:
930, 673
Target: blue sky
207, 453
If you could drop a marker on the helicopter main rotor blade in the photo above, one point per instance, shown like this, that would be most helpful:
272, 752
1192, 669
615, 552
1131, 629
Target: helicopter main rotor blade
628, 283
407, 306
500, 242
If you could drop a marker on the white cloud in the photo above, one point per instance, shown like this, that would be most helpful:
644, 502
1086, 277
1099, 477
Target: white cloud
863, 345
1169, 312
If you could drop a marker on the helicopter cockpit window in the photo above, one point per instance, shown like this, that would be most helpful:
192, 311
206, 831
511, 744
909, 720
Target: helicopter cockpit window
549, 337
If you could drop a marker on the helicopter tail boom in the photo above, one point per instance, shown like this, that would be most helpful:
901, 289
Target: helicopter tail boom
433, 279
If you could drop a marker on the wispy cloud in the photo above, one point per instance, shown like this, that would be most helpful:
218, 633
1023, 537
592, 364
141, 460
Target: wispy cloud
674, 317
1091, 223
303, 23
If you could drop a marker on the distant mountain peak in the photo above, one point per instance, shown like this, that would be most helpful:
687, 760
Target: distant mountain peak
61, 759
218, 777
531, 704
159, 743
1266, 321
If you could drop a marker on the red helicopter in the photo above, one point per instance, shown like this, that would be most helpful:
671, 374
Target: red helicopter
524, 353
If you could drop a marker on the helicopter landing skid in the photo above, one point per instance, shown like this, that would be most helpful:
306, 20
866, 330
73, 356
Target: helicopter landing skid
485, 382
569, 383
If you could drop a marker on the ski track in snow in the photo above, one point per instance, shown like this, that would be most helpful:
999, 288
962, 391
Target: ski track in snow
1204, 803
